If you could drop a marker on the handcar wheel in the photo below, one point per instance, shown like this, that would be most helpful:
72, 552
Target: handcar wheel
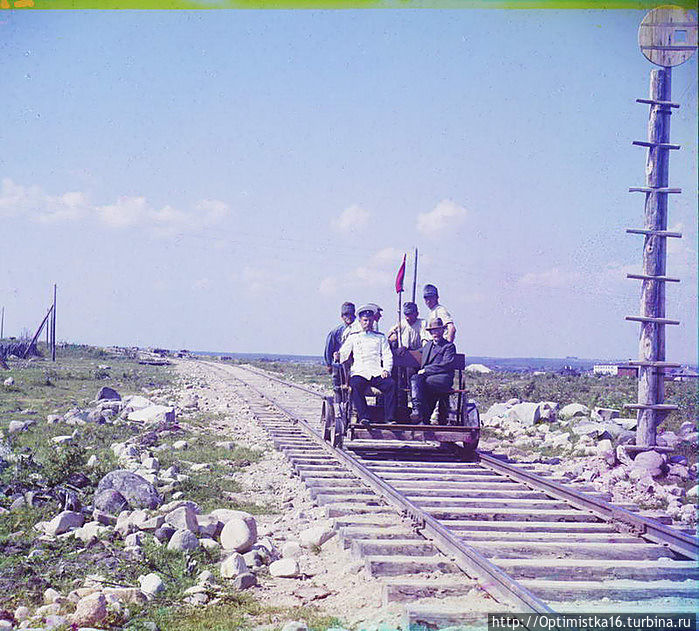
337, 431
328, 417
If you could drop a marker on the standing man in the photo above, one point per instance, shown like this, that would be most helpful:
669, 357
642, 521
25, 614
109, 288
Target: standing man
436, 374
371, 366
332, 345
431, 296
410, 329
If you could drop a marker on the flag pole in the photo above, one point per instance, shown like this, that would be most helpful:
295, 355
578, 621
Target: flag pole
415, 275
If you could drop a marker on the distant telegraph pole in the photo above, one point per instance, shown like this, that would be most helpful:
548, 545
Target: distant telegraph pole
667, 37
53, 326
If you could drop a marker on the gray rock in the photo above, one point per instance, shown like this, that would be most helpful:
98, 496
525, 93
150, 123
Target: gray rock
151, 584
604, 414
284, 568
239, 533
108, 393
291, 549
183, 518
18, 426
164, 533
110, 501
183, 540
316, 536
153, 414
648, 463
209, 525
137, 491
10, 381
573, 410
64, 522
244, 581
526, 413
253, 558
295, 625
496, 410
233, 566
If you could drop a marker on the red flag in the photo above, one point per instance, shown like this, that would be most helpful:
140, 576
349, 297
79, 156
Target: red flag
400, 277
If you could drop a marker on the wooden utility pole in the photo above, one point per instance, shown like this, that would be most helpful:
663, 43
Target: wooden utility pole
53, 326
667, 37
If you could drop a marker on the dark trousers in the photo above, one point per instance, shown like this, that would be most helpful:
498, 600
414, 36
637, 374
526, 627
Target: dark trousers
386, 386
337, 382
426, 389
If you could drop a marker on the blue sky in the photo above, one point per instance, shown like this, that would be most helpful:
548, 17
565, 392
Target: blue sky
224, 180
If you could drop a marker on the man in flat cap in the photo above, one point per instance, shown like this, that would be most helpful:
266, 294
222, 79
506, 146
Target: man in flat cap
436, 374
333, 342
371, 366
431, 296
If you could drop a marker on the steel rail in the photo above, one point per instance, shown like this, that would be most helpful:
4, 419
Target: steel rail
644, 526
494, 580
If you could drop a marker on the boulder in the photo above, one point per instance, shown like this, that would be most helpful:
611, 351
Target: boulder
108, 393
573, 410
284, 568
315, 536
244, 581
233, 566
183, 540
212, 546
137, 491
668, 439
136, 402
604, 414
151, 584
110, 501
91, 531
183, 518
605, 450
209, 525
90, 611
295, 625
648, 463
239, 533
478, 369
693, 492
153, 414
10, 381
548, 411
496, 410
18, 426
64, 522
526, 413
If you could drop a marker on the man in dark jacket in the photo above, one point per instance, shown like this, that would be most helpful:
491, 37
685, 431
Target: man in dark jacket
436, 374
333, 343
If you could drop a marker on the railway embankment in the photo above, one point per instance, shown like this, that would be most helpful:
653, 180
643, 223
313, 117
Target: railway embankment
149, 494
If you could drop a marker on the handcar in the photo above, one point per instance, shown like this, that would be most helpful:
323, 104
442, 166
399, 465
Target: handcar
460, 426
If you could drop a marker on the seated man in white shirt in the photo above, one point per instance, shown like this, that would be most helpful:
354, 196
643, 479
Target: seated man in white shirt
371, 366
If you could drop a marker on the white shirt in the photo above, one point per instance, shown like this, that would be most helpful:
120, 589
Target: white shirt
409, 333
438, 312
355, 327
371, 354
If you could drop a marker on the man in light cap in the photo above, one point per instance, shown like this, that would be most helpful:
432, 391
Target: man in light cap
371, 366
378, 312
333, 342
436, 374
431, 296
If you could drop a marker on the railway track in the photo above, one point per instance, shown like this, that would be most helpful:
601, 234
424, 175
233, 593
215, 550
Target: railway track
434, 527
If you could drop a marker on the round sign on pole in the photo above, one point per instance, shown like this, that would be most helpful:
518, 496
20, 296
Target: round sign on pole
668, 35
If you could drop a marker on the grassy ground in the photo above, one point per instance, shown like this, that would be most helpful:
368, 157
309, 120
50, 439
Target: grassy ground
28, 566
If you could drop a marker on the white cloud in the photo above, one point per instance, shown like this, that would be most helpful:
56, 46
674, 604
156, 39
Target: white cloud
32, 202
125, 212
445, 215
352, 219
